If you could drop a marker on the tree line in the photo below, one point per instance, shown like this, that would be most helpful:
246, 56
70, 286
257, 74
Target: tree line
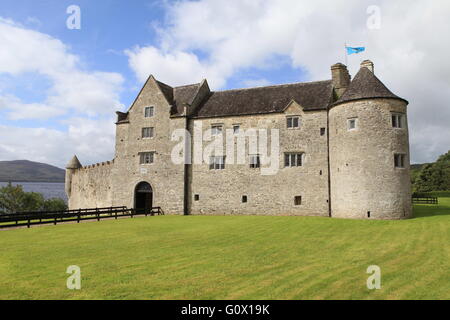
14, 199
432, 176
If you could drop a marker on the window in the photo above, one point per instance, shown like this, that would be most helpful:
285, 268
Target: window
196, 197
147, 157
293, 122
244, 199
217, 163
293, 159
149, 111
147, 132
352, 124
322, 131
298, 200
216, 129
255, 161
399, 160
236, 129
397, 120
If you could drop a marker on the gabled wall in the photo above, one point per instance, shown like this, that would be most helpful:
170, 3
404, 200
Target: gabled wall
166, 178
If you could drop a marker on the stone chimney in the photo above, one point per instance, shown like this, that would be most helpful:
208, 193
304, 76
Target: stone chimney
340, 77
368, 64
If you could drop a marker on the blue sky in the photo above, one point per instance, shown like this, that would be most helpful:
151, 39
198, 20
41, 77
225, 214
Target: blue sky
108, 27
62, 87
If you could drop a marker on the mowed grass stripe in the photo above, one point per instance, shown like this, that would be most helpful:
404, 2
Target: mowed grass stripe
231, 257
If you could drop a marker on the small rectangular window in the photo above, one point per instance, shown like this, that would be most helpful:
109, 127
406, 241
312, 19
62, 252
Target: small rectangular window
147, 157
217, 163
399, 160
216, 129
293, 122
298, 200
255, 161
397, 120
147, 132
244, 199
236, 129
322, 131
149, 111
352, 124
293, 159
197, 197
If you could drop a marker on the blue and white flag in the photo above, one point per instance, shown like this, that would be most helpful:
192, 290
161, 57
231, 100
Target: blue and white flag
351, 50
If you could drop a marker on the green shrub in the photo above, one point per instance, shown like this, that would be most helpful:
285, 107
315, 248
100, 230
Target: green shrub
13, 199
438, 194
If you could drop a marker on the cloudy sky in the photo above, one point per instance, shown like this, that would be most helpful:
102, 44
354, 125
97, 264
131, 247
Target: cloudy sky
60, 87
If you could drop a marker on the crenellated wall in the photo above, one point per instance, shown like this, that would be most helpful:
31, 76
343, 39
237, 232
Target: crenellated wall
91, 186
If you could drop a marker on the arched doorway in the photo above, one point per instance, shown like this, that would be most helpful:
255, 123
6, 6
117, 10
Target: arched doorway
143, 197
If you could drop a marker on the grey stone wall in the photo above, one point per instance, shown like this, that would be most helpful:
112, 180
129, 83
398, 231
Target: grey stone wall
221, 191
91, 186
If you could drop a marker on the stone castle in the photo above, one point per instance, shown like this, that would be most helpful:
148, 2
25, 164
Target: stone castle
343, 151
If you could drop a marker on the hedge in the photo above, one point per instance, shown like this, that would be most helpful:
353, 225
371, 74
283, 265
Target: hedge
438, 194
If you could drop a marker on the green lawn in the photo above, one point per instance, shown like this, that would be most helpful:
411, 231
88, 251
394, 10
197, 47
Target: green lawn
231, 257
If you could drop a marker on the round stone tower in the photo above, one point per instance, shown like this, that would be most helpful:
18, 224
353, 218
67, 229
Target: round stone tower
369, 151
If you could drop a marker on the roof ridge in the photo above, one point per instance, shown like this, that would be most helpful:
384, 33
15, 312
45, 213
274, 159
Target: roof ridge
162, 83
274, 86
187, 85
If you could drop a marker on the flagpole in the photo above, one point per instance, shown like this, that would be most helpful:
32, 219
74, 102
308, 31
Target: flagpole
345, 47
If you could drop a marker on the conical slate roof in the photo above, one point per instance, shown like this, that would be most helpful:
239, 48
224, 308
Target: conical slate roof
366, 85
74, 163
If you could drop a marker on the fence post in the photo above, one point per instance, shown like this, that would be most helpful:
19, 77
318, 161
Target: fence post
28, 223
79, 215
98, 215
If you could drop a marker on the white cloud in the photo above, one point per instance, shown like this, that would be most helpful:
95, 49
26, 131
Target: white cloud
73, 89
89, 97
91, 140
207, 39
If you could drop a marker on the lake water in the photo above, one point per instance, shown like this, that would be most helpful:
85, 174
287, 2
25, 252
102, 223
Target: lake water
48, 190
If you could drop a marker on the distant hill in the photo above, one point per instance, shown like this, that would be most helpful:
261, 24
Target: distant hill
29, 171
418, 166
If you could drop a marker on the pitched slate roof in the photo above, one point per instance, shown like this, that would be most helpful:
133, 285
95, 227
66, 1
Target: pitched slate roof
311, 96
183, 95
366, 85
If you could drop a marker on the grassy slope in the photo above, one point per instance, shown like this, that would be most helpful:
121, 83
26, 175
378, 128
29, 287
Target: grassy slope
232, 257
23, 170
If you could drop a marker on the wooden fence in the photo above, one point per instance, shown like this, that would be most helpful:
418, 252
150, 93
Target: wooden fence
29, 219
425, 200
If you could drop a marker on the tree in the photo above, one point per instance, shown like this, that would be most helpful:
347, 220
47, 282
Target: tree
13, 199
434, 176
54, 204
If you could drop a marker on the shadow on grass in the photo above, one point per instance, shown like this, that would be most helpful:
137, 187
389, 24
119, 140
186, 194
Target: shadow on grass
431, 210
